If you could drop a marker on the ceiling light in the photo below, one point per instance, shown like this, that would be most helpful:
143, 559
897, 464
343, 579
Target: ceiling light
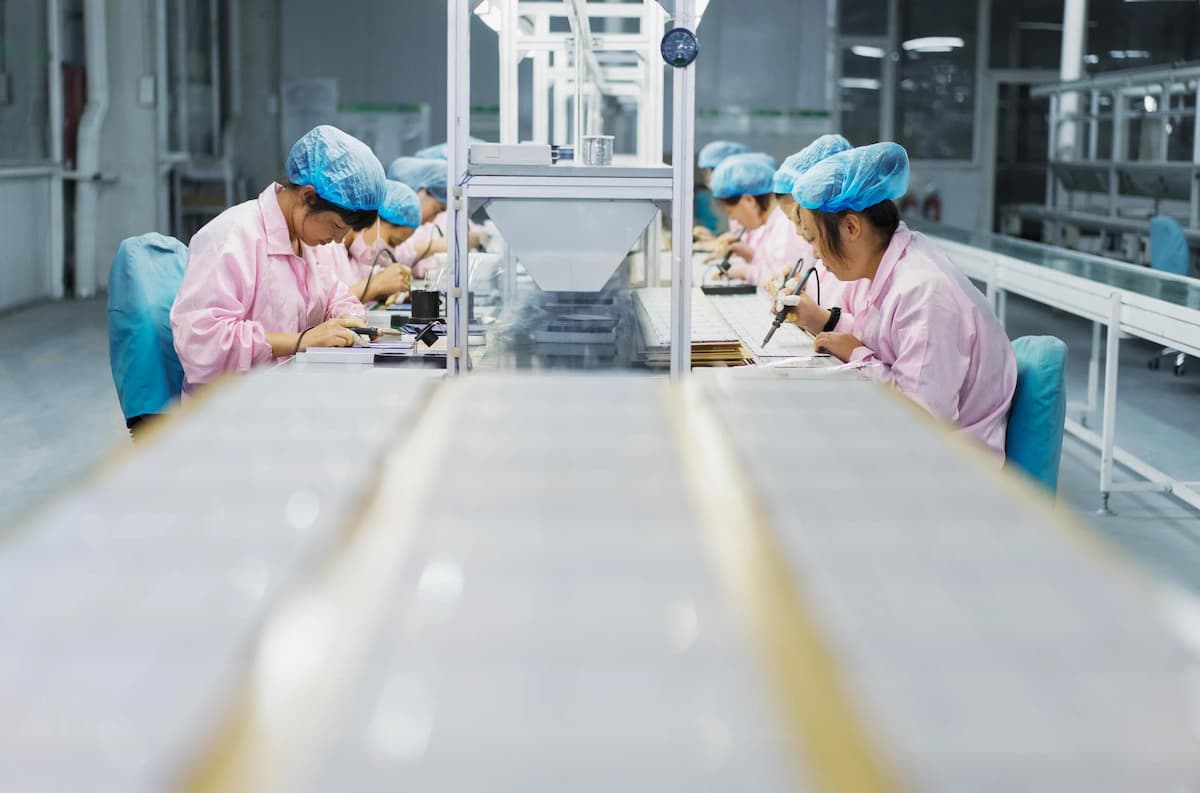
933, 44
867, 52
859, 82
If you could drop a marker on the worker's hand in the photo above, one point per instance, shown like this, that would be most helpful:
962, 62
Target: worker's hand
738, 271
390, 280
399, 297
742, 250
839, 345
332, 333
805, 311
701, 234
476, 239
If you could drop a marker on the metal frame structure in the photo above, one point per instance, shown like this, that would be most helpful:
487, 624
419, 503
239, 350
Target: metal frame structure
576, 65
1082, 167
1121, 311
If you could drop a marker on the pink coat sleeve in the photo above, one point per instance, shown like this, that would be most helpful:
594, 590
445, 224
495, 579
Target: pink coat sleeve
932, 345
409, 252
341, 303
208, 318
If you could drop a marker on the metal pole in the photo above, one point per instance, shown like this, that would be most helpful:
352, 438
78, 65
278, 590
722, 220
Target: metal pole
1109, 425
1093, 392
682, 156
55, 269
1194, 208
458, 120
509, 104
579, 34
1071, 68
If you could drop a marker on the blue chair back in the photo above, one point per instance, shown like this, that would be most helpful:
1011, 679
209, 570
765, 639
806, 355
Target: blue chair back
1168, 246
142, 284
1039, 409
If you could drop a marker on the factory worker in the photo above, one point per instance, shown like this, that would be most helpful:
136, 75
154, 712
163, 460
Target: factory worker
710, 156
926, 327
369, 270
742, 185
407, 170
260, 283
432, 190
825, 290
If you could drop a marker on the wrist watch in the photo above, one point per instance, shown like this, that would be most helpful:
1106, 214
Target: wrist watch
835, 314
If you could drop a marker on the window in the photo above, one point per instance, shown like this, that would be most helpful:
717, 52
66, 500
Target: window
859, 88
935, 96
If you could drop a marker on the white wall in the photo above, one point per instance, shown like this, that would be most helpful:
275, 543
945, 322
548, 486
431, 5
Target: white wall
24, 227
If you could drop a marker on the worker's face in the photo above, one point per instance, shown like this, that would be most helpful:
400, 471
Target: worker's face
788, 205
430, 206
394, 235
747, 212
808, 227
315, 227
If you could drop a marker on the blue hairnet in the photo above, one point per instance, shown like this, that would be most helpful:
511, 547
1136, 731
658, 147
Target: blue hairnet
407, 170
743, 174
854, 179
341, 168
400, 206
432, 177
822, 148
712, 153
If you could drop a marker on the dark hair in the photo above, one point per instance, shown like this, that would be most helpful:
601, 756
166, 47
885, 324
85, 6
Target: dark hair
883, 217
357, 219
763, 201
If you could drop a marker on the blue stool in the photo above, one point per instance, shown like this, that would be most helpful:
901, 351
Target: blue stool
1039, 409
142, 284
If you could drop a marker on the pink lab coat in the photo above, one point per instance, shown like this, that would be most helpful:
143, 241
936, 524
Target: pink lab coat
937, 338
409, 252
243, 280
776, 245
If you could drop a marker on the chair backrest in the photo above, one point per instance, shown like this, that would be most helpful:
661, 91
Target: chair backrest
1039, 409
142, 284
1168, 246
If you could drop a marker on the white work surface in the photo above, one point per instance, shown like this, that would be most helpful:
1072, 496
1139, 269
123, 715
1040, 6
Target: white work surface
589, 584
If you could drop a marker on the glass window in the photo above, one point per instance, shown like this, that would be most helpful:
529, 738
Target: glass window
23, 67
862, 17
935, 96
859, 90
1026, 34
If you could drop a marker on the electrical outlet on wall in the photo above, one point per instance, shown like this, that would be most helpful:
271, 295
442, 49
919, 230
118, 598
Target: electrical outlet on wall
147, 95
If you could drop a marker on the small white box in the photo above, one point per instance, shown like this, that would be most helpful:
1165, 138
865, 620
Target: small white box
509, 154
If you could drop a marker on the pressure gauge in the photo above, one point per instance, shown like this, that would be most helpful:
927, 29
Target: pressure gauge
679, 47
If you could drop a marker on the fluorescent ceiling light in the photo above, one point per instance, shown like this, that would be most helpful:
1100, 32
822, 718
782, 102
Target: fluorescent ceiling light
1121, 55
859, 82
867, 52
1091, 59
933, 44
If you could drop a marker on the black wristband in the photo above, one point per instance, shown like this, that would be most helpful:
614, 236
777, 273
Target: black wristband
300, 338
835, 314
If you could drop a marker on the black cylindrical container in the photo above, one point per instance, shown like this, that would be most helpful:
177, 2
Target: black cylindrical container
426, 305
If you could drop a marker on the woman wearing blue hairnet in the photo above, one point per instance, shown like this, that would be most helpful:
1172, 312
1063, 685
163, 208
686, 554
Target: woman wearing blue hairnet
370, 270
823, 288
707, 159
429, 179
260, 281
926, 328
743, 187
